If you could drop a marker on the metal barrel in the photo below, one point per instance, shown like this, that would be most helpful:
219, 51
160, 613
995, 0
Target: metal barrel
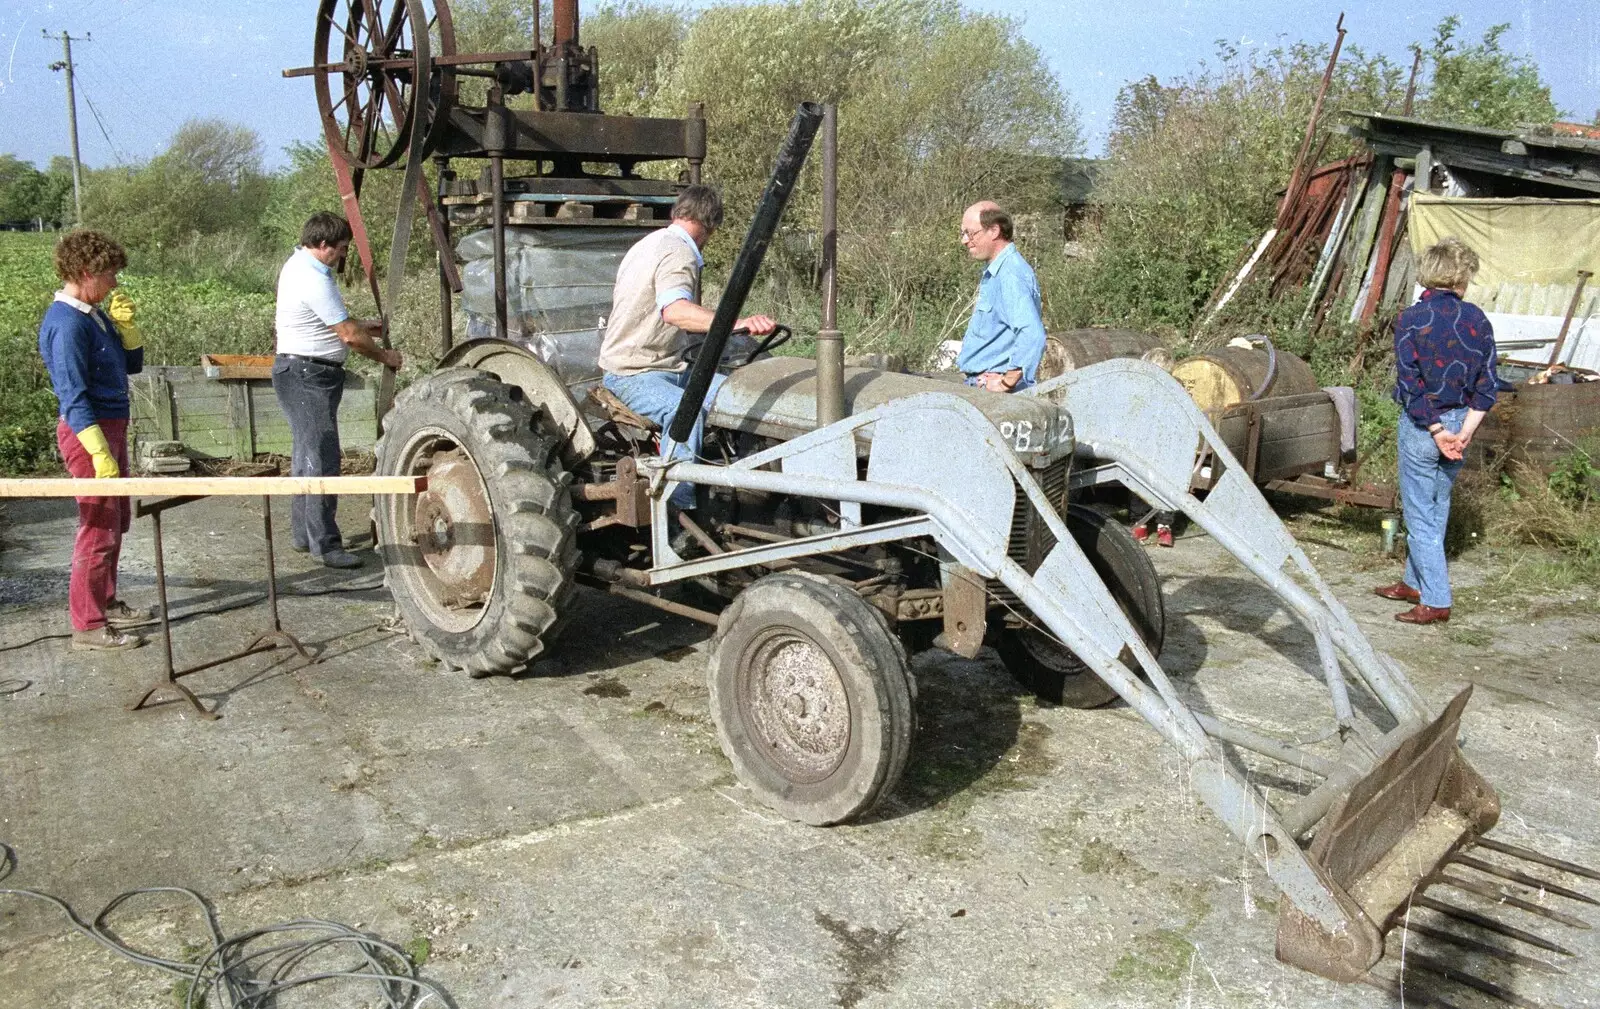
785, 172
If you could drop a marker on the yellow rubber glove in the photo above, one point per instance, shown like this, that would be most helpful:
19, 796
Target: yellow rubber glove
121, 312
94, 442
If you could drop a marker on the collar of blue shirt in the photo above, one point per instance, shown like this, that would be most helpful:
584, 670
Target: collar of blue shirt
999, 259
677, 229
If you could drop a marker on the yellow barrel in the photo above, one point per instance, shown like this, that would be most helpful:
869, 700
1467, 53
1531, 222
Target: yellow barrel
1224, 377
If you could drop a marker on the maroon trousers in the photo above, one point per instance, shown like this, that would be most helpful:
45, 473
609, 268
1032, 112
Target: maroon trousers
101, 523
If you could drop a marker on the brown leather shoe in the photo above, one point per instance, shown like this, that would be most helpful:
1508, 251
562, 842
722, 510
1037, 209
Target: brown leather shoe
1400, 592
1420, 614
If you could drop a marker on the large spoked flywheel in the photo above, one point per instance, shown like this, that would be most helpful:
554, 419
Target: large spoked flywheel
376, 73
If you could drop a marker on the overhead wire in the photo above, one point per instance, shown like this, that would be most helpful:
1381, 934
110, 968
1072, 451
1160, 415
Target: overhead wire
116, 154
255, 978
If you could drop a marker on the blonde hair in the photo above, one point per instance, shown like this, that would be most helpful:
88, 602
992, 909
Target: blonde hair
1448, 265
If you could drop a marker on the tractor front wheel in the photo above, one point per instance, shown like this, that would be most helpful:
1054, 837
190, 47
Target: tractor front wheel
481, 563
1045, 665
812, 697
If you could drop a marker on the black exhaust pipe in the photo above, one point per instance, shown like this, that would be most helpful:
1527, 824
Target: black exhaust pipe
791, 158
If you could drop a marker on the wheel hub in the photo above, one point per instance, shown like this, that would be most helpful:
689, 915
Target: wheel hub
798, 706
453, 528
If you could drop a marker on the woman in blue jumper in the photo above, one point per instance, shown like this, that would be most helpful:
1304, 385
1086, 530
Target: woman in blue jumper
1445, 384
90, 355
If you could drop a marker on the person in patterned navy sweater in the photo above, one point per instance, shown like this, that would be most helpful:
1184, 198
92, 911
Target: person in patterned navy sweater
1445, 384
90, 354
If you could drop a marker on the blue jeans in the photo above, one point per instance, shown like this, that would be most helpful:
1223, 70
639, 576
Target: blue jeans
655, 395
1426, 478
309, 392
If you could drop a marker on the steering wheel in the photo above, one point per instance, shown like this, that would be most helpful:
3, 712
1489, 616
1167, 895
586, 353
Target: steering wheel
778, 337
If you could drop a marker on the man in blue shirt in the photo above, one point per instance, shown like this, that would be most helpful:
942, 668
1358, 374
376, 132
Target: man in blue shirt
1005, 339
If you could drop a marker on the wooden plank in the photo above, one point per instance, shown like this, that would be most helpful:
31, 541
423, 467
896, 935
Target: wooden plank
211, 486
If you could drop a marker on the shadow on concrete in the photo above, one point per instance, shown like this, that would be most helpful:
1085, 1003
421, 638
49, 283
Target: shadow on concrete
969, 715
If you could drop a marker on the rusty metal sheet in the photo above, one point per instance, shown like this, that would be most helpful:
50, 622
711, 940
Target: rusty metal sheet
966, 606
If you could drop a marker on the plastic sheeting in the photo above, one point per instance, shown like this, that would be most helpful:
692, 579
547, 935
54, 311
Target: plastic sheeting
558, 290
1521, 243
1530, 252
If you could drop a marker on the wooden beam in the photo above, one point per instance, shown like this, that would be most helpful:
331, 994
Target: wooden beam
211, 486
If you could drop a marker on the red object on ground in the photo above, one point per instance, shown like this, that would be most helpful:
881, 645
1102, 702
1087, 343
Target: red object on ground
1164, 536
1420, 614
1141, 533
101, 523
1400, 592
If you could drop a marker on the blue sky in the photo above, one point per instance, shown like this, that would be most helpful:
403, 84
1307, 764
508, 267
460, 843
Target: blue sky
154, 63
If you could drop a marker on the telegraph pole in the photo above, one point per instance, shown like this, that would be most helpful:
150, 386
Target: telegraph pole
72, 119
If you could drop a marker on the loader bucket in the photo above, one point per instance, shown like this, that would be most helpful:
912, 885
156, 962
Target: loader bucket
1391, 833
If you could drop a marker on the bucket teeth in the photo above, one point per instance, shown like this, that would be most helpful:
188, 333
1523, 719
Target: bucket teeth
1521, 877
1529, 855
1501, 895
1436, 964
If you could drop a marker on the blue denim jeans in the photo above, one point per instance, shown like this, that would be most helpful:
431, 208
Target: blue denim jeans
1426, 478
655, 395
309, 392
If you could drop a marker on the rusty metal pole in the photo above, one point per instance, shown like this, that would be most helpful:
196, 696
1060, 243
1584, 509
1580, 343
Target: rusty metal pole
1572, 309
830, 342
1411, 86
565, 13
1299, 176
494, 141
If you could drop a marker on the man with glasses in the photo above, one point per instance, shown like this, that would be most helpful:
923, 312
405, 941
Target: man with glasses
1004, 341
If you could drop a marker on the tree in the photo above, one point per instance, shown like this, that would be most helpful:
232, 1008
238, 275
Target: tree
27, 194
218, 153
208, 181
1195, 167
1482, 84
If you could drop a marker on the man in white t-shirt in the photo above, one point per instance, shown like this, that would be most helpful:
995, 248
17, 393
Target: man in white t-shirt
315, 333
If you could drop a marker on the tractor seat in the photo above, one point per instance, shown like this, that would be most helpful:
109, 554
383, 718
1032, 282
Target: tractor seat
633, 426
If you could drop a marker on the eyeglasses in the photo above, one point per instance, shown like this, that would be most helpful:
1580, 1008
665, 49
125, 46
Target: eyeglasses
965, 234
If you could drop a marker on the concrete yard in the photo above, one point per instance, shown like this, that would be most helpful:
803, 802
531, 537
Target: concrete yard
574, 837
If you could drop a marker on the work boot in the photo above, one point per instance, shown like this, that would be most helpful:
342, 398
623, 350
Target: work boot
120, 616
1164, 536
1141, 534
340, 559
1400, 592
300, 548
1420, 614
104, 639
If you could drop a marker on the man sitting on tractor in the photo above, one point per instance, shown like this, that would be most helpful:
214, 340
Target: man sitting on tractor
655, 302
1005, 340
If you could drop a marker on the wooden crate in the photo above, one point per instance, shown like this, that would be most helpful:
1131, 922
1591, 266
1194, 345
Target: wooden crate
235, 418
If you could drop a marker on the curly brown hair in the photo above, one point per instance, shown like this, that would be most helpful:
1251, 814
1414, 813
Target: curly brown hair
91, 252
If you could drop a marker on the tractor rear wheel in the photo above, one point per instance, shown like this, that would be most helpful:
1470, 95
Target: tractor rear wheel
812, 697
1046, 666
481, 563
